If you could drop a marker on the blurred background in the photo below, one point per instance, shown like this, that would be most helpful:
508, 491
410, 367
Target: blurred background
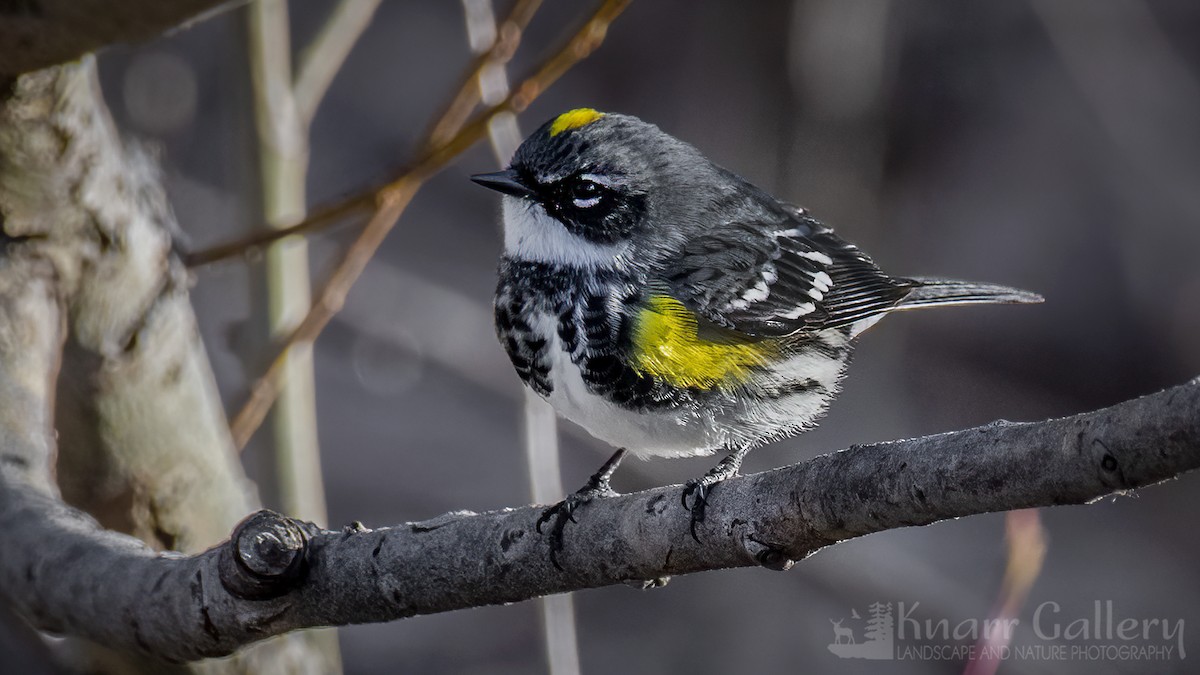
1045, 144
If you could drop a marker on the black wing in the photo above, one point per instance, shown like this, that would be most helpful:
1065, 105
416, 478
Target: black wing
770, 280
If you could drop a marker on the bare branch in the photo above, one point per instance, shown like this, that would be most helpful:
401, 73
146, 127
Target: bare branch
348, 209
39, 33
586, 40
283, 150
1026, 540
493, 53
391, 201
277, 574
322, 59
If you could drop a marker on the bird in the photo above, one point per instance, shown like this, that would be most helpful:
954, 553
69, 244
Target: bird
670, 307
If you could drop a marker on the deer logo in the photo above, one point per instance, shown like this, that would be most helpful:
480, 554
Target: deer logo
839, 632
879, 634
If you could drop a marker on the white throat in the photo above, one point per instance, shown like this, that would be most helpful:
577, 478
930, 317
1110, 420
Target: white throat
532, 234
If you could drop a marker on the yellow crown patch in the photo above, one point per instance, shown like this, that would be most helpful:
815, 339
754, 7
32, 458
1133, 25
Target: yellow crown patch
573, 119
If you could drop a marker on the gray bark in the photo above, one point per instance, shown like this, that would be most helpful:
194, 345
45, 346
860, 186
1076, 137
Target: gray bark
144, 443
277, 574
35, 34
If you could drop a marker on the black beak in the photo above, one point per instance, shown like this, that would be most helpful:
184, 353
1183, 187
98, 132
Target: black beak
503, 181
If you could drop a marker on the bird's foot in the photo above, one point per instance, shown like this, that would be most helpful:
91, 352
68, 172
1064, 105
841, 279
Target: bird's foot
597, 487
700, 489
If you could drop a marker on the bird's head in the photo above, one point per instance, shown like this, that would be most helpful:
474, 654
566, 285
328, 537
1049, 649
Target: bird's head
593, 188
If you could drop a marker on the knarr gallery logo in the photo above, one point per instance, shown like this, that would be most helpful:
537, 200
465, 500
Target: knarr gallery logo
1102, 634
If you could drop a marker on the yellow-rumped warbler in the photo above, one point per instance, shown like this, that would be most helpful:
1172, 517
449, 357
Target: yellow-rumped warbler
670, 307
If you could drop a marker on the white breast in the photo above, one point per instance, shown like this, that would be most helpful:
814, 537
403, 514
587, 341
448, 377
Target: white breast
679, 433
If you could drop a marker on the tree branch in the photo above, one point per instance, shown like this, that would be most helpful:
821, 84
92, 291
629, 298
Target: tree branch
283, 153
277, 574
322, 59
39, 33
492, 52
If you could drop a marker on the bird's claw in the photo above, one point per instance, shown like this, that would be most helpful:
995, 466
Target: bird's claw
700, 489
563, 512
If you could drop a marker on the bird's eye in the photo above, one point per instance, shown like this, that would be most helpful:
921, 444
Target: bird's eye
585, 194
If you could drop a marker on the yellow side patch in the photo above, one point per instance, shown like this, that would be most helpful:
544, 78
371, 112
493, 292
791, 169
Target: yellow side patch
573, 119
666, 346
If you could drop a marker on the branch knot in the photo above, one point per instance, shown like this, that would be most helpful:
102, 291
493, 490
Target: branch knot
266, 557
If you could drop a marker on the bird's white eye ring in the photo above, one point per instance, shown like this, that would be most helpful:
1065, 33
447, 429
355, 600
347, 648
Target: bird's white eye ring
584, 193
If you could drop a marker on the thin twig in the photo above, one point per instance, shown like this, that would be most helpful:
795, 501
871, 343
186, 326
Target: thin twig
451, 119
394, 198
283, 162
330, 301
507, 37
1026, 553
319, 218
283, 150
322, 59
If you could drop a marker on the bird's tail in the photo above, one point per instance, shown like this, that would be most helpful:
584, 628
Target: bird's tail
928, 292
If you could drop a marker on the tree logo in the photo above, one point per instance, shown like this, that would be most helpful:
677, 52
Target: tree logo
879, 636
